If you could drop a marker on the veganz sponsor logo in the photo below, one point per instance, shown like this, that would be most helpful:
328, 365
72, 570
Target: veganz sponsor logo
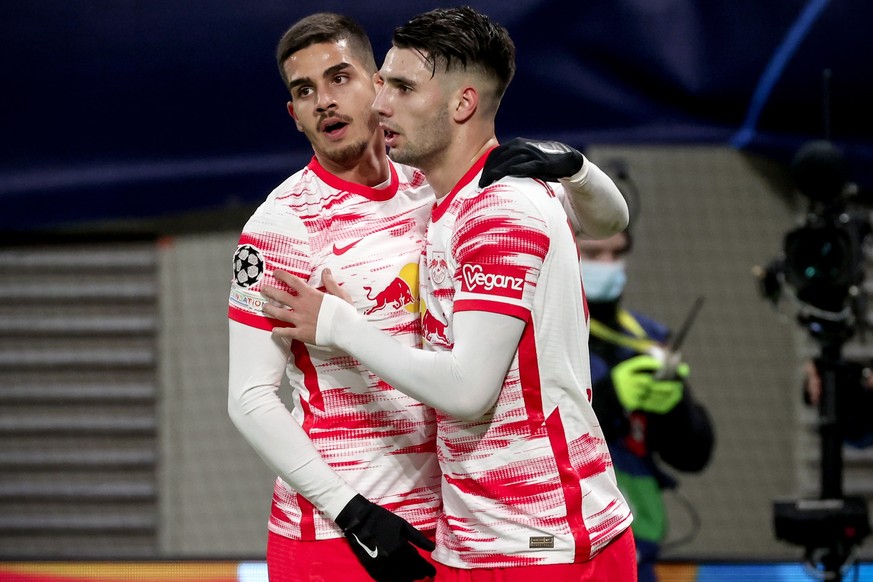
475, 277
542, 542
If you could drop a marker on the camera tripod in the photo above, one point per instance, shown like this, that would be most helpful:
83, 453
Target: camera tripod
830, 527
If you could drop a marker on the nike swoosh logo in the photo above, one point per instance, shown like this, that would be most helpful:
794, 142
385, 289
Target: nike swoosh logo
371, 553
338, 250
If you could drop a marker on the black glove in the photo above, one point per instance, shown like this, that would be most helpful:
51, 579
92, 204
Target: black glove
528, 158
383, 542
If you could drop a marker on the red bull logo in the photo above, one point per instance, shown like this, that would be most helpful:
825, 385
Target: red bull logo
397, 295
432, 329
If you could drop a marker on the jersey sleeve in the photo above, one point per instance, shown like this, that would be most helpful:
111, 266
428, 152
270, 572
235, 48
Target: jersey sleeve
273, 238
500, 248
594, 203
256, 364
463, 382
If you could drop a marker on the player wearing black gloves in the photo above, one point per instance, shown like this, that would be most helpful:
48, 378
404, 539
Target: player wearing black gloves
383, 542
548, 160
594, 197
345, 432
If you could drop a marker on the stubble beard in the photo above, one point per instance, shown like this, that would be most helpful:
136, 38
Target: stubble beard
427, 151
352, 153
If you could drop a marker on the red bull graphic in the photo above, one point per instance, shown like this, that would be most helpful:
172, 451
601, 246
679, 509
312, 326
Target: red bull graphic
397, 294
401, 292
433, 330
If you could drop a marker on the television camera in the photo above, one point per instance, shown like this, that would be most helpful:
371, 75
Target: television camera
821, 270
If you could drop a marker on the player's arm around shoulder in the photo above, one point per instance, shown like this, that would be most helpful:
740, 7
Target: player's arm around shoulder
593, 201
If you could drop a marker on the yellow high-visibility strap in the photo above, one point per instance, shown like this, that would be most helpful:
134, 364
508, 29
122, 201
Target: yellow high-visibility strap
637, 341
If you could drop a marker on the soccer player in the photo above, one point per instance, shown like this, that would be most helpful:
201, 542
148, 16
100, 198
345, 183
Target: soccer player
528, 487
353, 450
352, 456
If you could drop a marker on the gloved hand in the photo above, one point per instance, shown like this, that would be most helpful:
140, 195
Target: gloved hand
383, 542
527, 158
638, 389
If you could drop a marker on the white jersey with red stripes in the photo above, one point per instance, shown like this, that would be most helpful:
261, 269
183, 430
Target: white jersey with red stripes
532, 481
379, 440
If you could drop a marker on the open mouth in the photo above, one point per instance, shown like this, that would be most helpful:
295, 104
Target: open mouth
390, 136
333, 126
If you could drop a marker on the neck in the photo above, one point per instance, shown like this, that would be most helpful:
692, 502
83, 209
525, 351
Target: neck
370, 168
457, 159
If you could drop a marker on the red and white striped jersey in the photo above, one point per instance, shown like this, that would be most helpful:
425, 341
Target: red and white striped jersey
379, 440
531, 482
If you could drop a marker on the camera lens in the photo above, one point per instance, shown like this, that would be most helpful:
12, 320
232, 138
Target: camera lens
820, 263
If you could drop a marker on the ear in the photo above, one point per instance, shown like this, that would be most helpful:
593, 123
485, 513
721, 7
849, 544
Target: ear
467, 103
293, 115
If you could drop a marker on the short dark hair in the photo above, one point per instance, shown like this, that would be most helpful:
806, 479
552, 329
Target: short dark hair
461, 38
325, 27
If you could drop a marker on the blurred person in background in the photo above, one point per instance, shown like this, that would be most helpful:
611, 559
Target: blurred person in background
855, 383
643, 401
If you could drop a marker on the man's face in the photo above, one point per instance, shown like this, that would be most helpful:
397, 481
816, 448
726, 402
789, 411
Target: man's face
331, 98
413, 107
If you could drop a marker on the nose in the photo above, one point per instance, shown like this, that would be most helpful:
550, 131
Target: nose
325, 101
380, 103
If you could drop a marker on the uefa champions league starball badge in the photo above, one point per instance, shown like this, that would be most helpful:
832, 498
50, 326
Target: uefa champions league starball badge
248, 265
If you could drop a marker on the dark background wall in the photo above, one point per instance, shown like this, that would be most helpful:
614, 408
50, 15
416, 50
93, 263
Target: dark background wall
131, 109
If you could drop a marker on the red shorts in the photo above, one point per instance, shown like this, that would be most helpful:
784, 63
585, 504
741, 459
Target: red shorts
316, 561
617, 562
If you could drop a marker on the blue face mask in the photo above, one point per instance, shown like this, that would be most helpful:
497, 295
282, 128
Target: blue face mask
603, 281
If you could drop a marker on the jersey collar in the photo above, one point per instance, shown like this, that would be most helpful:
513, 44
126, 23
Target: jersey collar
376, 194
441, 205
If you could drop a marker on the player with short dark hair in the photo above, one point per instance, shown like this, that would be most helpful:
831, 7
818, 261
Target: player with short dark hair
355, 458
372, 478
528, 487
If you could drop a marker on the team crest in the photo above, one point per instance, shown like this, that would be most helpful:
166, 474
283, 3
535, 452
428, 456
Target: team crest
437, 267
248, 265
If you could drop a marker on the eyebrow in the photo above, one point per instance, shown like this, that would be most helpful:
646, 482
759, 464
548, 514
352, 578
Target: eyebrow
398, 80
329, 72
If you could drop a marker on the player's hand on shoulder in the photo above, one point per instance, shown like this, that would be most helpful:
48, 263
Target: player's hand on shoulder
527, 158
299, 307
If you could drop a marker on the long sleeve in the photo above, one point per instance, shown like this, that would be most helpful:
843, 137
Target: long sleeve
599, 209
257, 363
464, 382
